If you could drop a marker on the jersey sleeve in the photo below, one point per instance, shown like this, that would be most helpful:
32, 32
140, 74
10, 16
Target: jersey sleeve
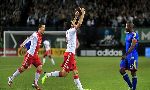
29, 38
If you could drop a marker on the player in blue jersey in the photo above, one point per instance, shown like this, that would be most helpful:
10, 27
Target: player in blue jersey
129, 60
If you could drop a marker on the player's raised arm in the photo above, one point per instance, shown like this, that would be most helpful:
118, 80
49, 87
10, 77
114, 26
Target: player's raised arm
73, 22
80, 21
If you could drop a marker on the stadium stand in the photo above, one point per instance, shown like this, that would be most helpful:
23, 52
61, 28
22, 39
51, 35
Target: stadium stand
58, 12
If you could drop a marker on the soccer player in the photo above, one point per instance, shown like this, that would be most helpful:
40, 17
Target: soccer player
69, 63
47, 52
31, 56
129, 60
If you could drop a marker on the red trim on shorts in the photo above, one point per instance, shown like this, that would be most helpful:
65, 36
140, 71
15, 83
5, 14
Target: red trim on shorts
69, 63
25, 60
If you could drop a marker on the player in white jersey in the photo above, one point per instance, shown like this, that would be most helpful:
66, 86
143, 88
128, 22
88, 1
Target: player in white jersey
31, 56
69, 63
47, 48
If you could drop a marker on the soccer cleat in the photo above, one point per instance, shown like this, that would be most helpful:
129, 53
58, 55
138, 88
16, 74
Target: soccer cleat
130, 88
80, 87
36, 86
10, 81
44, 78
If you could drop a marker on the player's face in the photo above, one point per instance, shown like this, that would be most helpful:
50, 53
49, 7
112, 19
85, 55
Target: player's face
129, 27
42, 29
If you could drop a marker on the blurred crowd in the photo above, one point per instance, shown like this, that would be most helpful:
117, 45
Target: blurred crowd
10, 12
58, 13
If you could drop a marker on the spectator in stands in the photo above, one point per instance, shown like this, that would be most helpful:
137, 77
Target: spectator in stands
12, 10
31, 20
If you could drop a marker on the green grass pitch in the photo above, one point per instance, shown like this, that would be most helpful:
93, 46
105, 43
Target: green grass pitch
96, 73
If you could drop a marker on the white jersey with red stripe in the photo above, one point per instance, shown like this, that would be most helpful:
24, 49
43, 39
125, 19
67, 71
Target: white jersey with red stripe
36, 39
71, 39
46, 45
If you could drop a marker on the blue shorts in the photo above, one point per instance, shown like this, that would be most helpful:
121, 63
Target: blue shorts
130, 63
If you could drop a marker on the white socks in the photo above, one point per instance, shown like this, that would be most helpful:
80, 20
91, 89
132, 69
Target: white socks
37, 76
15, 74
53, 74
78, 83
43, 61
56, 74
52, 61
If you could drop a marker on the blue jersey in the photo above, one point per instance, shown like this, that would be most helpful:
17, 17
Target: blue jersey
131, 61
128, 41
27, 45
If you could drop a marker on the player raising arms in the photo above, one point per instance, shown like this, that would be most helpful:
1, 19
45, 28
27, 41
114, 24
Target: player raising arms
69, 63
31, 56
47, 48
129, 61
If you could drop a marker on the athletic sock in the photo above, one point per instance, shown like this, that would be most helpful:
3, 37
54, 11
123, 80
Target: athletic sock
78, 83
43, 61
54, 74
134, 82
126, 78
37, 76
16, 73
52, 61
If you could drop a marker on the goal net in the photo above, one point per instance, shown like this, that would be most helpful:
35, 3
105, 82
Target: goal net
13, 39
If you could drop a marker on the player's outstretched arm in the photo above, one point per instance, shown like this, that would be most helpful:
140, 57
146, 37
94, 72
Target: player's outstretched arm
81, 19
28, 39
22, 45
25, 41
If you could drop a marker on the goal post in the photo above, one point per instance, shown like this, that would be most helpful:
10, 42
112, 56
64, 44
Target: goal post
13, 39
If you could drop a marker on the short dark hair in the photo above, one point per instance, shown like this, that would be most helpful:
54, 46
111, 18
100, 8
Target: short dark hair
40, 25
130, 22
